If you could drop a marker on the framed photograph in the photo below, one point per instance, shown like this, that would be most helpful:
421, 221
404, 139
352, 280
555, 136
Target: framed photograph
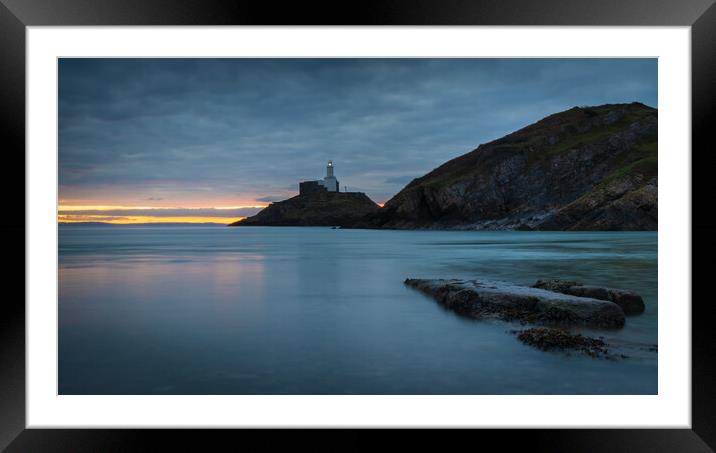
420, 215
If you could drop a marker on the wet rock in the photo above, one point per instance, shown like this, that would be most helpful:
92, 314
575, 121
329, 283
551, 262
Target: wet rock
631, 302
480, 299
551, 339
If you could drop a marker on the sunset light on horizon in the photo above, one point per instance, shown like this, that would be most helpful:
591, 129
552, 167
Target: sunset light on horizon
153, 214
120, 220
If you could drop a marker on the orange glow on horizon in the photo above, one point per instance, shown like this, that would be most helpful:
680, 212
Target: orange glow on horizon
115, 214
124, 220
120, 207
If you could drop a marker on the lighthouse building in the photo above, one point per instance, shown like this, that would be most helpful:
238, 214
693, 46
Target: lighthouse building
329, 183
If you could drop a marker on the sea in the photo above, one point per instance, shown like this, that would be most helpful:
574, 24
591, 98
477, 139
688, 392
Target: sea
294, 310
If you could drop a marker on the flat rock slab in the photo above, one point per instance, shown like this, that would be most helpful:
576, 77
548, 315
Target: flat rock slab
481, 299
631, 302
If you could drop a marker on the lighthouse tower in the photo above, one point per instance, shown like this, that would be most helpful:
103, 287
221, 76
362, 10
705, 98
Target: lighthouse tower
330, 182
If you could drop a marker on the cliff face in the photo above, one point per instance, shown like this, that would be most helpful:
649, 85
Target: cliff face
315, 209
592, 168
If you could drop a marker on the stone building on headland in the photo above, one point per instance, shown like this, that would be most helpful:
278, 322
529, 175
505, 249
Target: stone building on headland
328, 184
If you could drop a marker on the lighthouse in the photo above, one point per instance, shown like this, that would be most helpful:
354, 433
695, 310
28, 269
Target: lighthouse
330, 182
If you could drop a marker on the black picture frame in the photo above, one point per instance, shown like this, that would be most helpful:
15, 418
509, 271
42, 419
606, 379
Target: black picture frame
16, 15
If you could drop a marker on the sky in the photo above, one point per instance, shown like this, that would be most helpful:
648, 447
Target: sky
214, 140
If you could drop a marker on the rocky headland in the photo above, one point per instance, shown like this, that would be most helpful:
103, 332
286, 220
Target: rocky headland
587, 168
320, 208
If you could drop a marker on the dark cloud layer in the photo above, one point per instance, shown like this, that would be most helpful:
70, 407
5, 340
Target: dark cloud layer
206, 129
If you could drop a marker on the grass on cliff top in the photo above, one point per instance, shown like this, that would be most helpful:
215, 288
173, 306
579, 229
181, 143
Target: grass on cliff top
645, 162
643, 159
537, 134
594, 135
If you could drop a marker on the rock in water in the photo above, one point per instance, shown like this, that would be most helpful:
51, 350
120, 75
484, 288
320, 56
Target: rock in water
631, 302
549, 339
481, 299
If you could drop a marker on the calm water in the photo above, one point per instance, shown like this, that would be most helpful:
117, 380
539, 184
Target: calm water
216, 310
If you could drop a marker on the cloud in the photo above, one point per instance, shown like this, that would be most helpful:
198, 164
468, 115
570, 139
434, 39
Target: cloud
271, 198
84, 218
180, 128
401, 180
